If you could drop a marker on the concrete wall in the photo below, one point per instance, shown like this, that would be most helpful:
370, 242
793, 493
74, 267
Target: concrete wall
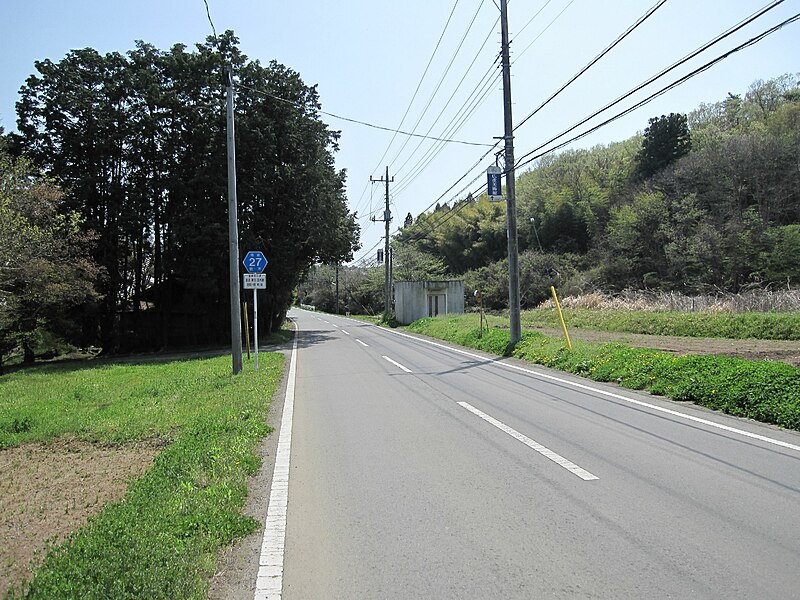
411, 299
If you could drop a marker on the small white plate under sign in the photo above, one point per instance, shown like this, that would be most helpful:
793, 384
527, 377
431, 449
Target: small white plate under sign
255, 281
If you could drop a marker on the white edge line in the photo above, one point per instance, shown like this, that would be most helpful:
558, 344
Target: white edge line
269, 581
544, 451
595, 390
397, 364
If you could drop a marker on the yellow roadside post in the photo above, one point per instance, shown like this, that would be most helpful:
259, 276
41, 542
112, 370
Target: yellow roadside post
246, 330
561, 316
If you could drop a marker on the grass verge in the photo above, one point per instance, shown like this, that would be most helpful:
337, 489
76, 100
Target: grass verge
765, 391
756, 325
162, 539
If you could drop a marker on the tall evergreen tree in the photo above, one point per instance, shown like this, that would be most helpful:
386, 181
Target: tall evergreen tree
139, 141
666, 139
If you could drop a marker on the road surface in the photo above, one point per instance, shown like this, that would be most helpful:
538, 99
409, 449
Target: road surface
418, 471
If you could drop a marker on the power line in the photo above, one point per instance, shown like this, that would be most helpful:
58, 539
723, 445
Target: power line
372, 125
419, 85
663, 72
459, 119
464, 176
449, 214
406, 133
483, 89
441, 81
531, 20
368, 252
408, 108
542, 32
525, 160
591, 63
208, 14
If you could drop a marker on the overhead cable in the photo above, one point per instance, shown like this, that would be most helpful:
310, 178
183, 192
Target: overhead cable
450, 99
528, 158
542, 32
208, 14
441, 81
348, 119
419, 84
591, 63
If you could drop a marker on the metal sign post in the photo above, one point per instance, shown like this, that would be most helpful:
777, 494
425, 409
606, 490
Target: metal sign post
255, 282
255, 326
255, 262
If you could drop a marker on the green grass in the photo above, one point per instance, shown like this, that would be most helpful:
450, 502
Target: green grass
374, 319
766, 326
161, 540
766, 391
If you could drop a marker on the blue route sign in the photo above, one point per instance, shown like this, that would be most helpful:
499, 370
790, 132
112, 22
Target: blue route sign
255, 261
494, 185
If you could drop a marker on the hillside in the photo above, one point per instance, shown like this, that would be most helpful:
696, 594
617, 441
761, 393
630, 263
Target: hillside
699, 202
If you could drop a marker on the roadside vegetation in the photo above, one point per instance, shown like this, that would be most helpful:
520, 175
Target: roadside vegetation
762, 390
161, 540
755, 314
764, 326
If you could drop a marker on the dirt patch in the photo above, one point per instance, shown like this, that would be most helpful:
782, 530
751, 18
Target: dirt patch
776, 350
50, 490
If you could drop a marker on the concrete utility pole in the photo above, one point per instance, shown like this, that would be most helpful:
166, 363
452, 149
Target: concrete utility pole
511, 200
387, 218
233, 236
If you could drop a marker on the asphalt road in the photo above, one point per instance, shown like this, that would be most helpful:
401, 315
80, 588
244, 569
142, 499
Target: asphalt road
421, 472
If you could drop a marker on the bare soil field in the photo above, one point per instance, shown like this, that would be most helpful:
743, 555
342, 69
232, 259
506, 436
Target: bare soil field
775, 350
50, 490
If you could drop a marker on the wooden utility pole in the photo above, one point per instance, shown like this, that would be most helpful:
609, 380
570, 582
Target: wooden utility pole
387, 218
511, 200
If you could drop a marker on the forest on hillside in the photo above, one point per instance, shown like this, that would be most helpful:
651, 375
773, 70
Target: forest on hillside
702, 203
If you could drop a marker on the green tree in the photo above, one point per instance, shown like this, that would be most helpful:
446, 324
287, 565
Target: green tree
666, 139
411, 264
779, 259
637, 236
45, 269
139, 141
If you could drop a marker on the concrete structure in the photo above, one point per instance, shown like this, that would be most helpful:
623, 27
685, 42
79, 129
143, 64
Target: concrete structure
418, 299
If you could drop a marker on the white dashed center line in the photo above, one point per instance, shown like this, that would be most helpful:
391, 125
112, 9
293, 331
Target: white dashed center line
556, 458
397, 364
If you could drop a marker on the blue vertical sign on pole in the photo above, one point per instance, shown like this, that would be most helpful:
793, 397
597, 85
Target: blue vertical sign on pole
494, 184
255, 262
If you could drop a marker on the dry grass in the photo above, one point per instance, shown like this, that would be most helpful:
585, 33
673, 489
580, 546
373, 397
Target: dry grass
750, 301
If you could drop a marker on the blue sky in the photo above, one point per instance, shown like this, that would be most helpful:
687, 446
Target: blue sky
368, 58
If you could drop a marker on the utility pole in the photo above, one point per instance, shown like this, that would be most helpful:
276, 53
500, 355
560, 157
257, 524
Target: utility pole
233, 236
511, 200
337, 288
387, 218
